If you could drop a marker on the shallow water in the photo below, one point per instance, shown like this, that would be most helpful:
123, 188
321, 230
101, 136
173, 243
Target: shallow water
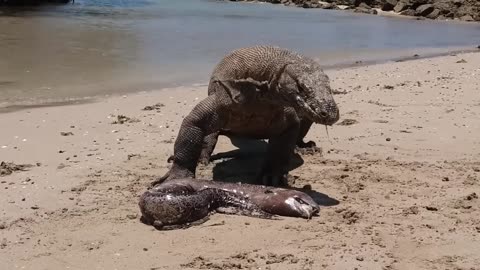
95, 47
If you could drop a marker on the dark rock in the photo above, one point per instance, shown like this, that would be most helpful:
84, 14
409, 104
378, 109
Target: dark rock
435, 13
444, 6
361, 10
363, 5
325, 5
400, 6
424, 10
417, 3
449, 15
365, 10
408, 12
371, 3
389, 5
309, 5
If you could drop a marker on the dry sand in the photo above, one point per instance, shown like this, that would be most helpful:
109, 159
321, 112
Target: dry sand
399, 181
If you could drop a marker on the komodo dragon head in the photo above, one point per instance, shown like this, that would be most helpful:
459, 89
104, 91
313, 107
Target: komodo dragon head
307, 88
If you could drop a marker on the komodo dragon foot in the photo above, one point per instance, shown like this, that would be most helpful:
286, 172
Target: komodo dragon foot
204, 160
307, 148
175, 172
272, 176
273, 180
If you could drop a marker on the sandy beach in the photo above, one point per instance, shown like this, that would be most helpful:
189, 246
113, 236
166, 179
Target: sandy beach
398, 180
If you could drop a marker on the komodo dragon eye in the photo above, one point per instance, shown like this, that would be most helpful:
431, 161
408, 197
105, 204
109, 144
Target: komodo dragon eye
301, 88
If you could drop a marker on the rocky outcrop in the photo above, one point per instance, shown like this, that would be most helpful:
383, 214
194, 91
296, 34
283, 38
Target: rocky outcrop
465, 10
389, 5
424, 10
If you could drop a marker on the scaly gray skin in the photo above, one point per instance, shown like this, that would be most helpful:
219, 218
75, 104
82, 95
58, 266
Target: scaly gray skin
259, 92
181, 203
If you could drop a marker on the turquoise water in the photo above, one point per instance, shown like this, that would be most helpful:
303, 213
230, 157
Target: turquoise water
92, 48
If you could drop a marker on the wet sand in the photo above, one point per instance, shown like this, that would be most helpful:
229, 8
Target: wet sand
398, 181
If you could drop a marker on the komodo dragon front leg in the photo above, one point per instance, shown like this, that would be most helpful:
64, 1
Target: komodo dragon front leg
209, 143
280, 151
305, 125
203, 121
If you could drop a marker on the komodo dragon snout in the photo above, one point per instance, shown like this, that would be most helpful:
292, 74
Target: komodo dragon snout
310, 91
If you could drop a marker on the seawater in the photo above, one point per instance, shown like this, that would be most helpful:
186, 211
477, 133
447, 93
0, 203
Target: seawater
102, 47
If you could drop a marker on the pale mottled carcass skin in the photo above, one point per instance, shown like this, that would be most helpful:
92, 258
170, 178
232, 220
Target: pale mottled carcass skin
181, 203
258, 92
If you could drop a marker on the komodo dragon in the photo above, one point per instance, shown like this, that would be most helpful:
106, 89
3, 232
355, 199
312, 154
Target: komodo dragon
259, 92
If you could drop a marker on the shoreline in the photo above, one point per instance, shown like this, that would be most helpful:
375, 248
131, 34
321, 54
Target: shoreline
427, 54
